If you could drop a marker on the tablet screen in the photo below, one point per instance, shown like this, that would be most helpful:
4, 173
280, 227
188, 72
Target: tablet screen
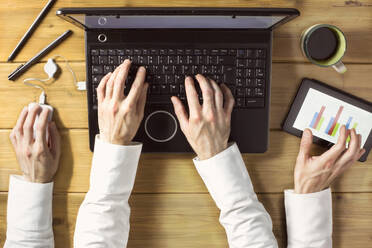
324, 115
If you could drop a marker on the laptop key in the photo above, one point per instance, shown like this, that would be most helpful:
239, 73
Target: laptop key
251, 53
240, 102
96, 79
226, 60
260, 73
128, 51
97, 69
229, 74
255, 102
160, 99
240, 53
260, 82
164, 89
258, 92
174, 88
107, 69
261, 53
120, 52
154, 89
94, 52
102, 52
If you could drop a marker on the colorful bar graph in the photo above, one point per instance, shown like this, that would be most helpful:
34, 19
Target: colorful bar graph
313, 120
335, 129
335, 120
329, 125
320, 123
316, 118
319, 116
348, 122
354, 126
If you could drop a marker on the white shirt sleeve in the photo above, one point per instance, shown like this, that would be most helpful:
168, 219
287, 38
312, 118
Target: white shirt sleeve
103, 218
29, 214
309, 219
246, 222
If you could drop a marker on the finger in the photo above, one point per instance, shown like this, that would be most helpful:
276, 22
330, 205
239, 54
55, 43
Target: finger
306, 143
137, 86
101, 89
192, 96
353, 149
120, 79
337, 149
28, 127
218, 96
361, 153
180, 111
142, 99
41, 127
207, 92
18, 129
54, 140
110, 83
228, 99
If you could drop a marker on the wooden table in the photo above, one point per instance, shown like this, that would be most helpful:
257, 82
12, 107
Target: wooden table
170, 204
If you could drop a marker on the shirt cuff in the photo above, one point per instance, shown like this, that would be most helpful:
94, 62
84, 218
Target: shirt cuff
309, 216
225, 175
114, 167
29, 204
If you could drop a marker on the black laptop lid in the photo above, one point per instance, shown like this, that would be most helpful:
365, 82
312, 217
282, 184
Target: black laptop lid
177, 18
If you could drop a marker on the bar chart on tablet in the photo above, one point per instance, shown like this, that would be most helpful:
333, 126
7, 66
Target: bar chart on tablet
325, 115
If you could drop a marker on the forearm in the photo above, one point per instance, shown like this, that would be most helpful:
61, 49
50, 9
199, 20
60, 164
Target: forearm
309, 219
29, 214
244, 218
103, 218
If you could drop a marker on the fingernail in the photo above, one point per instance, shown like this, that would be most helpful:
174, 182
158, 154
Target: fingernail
306, 132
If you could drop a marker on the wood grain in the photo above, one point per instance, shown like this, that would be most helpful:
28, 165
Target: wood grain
191, 220
71, 107
171, 207
353, 17
160, 173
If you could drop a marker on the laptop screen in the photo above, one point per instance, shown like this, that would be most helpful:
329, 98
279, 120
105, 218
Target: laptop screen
177, 18
189, 21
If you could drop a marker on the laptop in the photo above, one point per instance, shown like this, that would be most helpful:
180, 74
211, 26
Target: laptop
229, 45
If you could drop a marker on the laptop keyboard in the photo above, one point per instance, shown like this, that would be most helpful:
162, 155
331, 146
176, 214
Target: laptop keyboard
242, 70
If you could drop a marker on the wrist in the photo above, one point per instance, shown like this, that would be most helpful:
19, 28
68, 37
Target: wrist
204, 155
114, 141
37, 180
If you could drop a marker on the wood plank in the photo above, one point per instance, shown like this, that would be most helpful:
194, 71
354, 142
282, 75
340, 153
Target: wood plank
191, 220
71, 108
344, 14
159, 173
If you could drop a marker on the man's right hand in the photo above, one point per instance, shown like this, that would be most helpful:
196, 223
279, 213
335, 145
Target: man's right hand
316, 173
207, 129
119, 116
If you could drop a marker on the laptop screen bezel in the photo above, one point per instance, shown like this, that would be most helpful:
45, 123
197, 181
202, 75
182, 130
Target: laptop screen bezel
289, 13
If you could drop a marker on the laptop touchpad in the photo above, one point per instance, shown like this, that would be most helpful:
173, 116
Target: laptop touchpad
161, 126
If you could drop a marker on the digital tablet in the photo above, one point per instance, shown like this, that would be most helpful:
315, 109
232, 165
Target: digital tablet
324, 109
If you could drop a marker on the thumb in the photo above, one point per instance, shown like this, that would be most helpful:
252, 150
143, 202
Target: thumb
306, 142
180, 111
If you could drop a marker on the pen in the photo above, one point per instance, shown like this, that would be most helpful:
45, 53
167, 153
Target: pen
22, 68
31, 29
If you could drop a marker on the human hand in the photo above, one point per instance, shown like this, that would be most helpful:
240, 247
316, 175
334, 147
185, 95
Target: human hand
119, 116
316, 173
207, 129
37, 157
